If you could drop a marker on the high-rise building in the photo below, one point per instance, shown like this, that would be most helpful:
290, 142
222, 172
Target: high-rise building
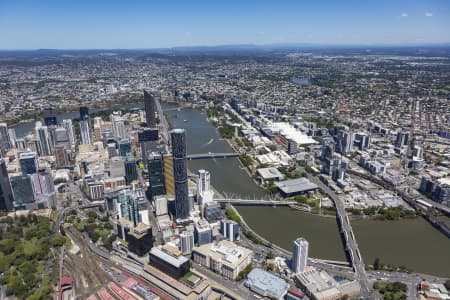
12, 137
49, 116
186, 242
6, 195
203, 181
124, 147
62, 137
44, 140
61, 157
5, 140
28, 163
84, 113
118, 127
85, 132
202, 233
402, 139
150, 109
148, 139
161, 207
112, 150
292, 147
116, 167
300, 255
417, 151
229, 230
67, 124
22, 189
44, 189
130, 169
169, 182
327, 156
178, 138
156, 174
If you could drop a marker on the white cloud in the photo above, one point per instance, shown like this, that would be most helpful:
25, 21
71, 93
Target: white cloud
403, 14
428, 14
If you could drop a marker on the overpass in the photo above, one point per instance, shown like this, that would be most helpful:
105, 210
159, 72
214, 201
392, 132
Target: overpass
211, 155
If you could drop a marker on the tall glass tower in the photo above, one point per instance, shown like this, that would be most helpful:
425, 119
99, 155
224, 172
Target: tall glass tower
150, 109
6, 195
178, 138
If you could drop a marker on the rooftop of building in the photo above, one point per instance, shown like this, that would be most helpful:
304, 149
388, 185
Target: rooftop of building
296, 185
271, 285
175, 261
226, 251
270, 173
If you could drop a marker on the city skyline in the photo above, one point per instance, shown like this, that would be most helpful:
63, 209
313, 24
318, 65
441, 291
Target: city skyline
142, 25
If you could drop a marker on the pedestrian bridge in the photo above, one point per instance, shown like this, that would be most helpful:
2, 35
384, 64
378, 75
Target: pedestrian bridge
261, 202
211, 155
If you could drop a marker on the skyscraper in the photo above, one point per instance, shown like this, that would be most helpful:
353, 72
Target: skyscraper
84, 113
61, 157
118, 127
28, 163
203, 181
67, 124
49, 116
402, 139
85, 132
62, 137
6, 195
124, 147
5, 140
186, 242
148, 139
150, 109
130, 169
44, 140
178, 138
229, 230
156, 174
23, 190
300, 255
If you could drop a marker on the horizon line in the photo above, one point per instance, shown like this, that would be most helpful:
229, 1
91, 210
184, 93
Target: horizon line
267, 45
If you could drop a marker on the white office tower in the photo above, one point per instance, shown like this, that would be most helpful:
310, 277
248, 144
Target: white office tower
161, 207
300, 255
186, 242
203, 181
44, 140
62, 137
85, 132
67, 124
204, 192
5, 140
118, 127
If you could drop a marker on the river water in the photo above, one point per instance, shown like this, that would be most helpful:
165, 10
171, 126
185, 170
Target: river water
413, 243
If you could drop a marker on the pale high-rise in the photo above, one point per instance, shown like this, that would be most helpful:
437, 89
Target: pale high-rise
300, 255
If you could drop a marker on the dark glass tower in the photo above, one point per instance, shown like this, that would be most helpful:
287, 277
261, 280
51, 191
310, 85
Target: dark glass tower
150, 109
49, 116
148, 139
84, 113
6, 195
178, 138
156, 174
130, 169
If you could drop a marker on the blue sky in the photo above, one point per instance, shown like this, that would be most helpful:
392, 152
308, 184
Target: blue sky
94, 24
